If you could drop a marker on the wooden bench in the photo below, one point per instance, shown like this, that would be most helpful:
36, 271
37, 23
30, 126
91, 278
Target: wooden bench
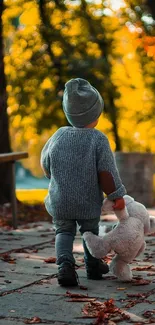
11, 158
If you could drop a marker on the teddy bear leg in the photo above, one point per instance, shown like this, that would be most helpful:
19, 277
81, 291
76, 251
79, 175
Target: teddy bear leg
142, 249
98, 247
120, 269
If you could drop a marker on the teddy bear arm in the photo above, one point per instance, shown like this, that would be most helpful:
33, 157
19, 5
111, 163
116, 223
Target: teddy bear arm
147, 226
142, 249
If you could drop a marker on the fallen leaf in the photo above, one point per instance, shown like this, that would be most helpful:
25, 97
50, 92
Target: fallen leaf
7, 258
81, 299
149, 313
50, 260
136, 295
121, 288
150, 274
143, 268
103, 311
139, 282
131, 304
75, 295
34, 320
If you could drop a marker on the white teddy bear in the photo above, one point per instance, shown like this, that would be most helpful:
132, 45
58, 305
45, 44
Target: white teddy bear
126, 239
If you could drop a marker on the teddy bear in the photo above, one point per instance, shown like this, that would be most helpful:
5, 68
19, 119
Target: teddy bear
126, 239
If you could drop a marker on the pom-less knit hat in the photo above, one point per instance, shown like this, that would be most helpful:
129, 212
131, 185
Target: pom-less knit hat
82, 103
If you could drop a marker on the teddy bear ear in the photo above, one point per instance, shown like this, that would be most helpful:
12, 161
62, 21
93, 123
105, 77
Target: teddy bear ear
128, 199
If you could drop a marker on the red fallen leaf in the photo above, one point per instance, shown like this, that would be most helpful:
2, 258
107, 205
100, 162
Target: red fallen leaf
50, 260
149, 313
7, 258
131, 304
140, 282
103, 311
102, 316
81, 299
83, 288
35, 251
34, 320
143, 268
137, 295
75, 295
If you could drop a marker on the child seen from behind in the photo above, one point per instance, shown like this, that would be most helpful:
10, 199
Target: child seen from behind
80, 165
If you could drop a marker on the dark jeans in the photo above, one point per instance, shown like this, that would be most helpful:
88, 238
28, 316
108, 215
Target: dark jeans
65, 234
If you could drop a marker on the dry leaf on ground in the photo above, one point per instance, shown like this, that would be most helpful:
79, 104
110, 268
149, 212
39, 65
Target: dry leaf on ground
7, 258
34, 320
50, 260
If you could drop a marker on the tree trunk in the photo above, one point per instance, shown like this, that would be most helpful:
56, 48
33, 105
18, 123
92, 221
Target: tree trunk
5, 170
151, 6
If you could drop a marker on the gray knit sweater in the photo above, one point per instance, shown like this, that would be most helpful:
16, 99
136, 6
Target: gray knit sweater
72, 159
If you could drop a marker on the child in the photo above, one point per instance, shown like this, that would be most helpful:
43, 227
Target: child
80, 165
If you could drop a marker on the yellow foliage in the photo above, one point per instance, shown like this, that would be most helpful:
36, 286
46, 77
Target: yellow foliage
73, 28
47, 84
56, 48
30, 15
93, 49
16, 121
9, 88
56, 18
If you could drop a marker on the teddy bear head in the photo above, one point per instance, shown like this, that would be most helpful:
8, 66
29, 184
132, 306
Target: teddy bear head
108, 207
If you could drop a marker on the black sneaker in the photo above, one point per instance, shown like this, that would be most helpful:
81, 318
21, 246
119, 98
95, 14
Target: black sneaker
67, 275
96, 269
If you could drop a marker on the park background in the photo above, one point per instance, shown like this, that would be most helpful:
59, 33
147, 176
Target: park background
45, 43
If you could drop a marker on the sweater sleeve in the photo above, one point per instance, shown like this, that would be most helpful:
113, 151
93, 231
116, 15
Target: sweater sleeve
108, 173
45, 161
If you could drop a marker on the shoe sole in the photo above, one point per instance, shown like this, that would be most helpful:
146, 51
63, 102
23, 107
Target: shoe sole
67, 282
91, 277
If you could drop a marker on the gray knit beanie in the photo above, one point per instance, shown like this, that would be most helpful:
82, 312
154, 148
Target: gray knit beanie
82, 103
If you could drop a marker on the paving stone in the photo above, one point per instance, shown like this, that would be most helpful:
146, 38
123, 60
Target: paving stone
12, 281
47, 307
22, 242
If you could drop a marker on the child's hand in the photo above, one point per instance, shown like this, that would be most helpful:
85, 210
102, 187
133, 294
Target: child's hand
119, 204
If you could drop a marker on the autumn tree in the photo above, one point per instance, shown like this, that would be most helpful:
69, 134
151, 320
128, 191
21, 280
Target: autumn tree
142, 23
151, 6
49, 42
5, 173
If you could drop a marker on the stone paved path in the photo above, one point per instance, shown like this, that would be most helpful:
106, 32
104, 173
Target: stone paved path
29, 292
